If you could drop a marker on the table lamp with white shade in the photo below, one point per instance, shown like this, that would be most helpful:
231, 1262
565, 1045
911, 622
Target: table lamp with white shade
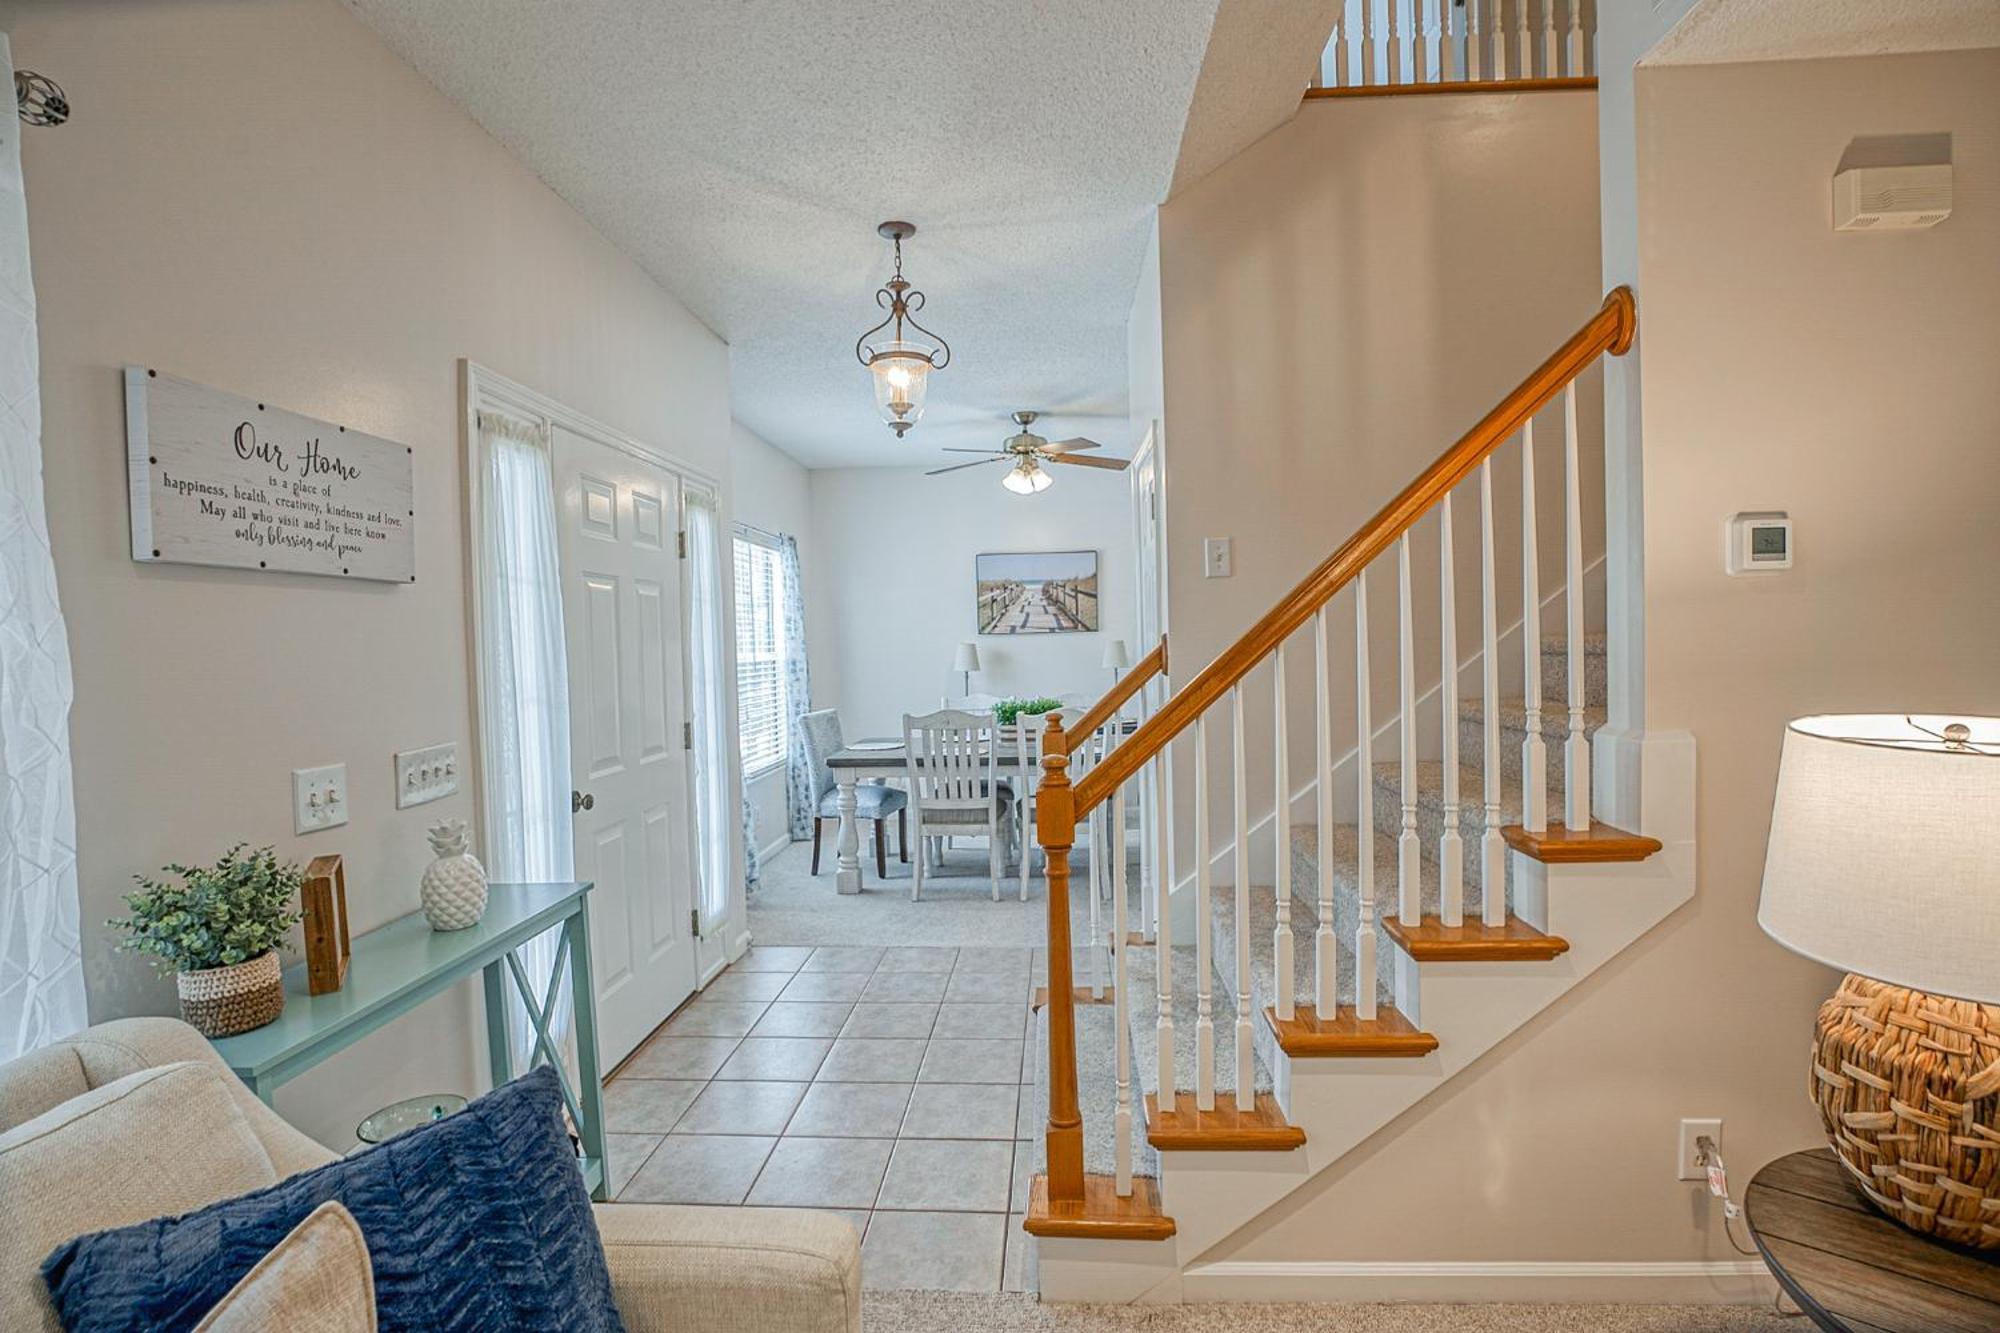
965, 664
1884, 861
1116, 659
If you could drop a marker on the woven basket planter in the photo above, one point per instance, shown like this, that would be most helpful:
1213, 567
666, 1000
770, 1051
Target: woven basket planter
223, 1001
1908, 1086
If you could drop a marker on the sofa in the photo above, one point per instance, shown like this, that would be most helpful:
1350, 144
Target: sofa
140, 1118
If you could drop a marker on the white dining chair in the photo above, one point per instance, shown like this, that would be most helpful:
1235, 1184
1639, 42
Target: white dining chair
1025, 737
955, 787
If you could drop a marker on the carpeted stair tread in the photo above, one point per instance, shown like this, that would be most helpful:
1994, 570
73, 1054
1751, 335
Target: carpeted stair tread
1263, 953
1387, 791
1513, 716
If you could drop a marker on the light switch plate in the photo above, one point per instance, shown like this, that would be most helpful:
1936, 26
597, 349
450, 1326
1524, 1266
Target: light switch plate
1216, 558
319, 798
424, 775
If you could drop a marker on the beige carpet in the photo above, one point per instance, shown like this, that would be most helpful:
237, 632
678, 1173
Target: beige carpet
944, 1312
792, 906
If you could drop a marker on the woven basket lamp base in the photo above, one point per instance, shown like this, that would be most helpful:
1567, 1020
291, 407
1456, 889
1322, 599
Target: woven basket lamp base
1908, 1086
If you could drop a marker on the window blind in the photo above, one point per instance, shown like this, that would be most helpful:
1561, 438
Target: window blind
760, 656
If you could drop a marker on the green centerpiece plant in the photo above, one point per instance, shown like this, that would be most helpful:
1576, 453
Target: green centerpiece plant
1009, 711
218, 929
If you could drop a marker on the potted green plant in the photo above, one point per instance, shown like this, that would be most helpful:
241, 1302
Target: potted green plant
1009, 711
218, 930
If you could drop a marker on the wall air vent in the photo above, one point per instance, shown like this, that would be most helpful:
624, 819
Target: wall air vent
1891, 198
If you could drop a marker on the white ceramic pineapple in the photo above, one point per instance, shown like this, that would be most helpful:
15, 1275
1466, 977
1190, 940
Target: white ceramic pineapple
454, 885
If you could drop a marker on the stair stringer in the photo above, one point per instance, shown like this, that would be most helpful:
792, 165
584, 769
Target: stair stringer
1601, 910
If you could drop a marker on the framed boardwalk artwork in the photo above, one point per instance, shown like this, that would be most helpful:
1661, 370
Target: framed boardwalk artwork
1037, 592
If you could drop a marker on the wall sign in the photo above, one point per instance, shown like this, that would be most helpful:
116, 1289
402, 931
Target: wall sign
222, 480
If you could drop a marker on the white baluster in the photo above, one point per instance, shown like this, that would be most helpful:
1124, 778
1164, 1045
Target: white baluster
1281, 940
1451, 845
1163, 953
1409, 850
1364, 761
1524, 35
1492, 852
1475, 41
1204, 927
1239, 792
1420, 41
1368, 75
1122, 1117
1448, 64
1339, 74
1576, 750
1551, 43
1534, 752
1395, 42
1577, 65
1098, 852
1326, 952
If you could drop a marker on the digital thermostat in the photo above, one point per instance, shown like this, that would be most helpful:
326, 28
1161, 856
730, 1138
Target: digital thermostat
1759, 543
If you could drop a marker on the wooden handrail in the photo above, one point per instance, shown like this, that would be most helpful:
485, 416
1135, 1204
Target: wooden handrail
1610, 331
1147, 667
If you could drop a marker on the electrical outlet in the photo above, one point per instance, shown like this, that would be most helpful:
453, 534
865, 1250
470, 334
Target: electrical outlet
1215, 558
428, 774
319, 798
1689, 1165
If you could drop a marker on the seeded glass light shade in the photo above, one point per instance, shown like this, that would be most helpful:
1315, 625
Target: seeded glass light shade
902, 373
1884, 856
1027, 478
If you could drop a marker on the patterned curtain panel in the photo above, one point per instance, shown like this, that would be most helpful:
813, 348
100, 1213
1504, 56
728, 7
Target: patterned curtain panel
751, 867
41, 960
798, 697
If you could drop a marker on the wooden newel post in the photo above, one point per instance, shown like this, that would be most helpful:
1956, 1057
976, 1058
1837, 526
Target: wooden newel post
1055, 824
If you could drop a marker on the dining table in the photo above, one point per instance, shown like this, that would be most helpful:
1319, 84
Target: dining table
886, 757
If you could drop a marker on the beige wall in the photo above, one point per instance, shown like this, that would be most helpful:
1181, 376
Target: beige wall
1846, 379
897, 550
262, 198
1341, 302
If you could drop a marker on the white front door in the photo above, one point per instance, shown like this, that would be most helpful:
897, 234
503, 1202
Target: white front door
617, 535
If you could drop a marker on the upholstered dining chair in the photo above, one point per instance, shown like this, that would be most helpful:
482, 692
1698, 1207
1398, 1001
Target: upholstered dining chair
872, 800
953, 760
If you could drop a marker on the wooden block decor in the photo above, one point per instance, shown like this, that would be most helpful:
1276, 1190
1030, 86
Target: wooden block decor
324, 900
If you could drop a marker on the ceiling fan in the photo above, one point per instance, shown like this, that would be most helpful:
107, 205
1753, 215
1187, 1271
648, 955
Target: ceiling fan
1028, 451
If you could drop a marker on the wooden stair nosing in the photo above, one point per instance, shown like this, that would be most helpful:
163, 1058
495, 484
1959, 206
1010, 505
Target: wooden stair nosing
1101, 1214
1224, 1129
1599, 844
1387, 1035
1474, 942
1079, 994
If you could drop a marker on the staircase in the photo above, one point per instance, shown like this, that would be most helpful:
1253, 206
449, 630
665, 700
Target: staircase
1257, 1032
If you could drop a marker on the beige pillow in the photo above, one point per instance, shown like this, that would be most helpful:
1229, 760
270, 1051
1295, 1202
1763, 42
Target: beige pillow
162, 1141
317, 1280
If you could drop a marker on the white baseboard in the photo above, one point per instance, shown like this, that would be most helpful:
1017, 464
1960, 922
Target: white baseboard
1676, 1282
766, 853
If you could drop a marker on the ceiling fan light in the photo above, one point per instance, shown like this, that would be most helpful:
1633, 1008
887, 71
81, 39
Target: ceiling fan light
1027, 478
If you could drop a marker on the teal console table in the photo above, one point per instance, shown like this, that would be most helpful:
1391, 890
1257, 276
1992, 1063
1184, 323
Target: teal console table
398, 967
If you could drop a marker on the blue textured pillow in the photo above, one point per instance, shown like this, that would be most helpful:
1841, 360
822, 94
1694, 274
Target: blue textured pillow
480, 1221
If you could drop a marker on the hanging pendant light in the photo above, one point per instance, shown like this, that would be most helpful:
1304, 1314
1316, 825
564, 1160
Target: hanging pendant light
1027, 478
902, 363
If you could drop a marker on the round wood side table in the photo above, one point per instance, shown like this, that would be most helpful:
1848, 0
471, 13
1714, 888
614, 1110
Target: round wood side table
1853, 1270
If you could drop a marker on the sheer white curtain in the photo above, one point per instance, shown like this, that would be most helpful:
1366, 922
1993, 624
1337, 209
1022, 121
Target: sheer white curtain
41, 969
524, 690
714, 804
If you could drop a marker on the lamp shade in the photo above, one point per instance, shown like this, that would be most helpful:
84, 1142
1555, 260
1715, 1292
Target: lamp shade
1115, 655
967, 659
1884, 855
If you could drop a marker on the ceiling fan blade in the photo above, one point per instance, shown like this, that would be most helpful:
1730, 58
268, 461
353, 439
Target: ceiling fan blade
951, 449
1072, 445
1115, 464
960, 467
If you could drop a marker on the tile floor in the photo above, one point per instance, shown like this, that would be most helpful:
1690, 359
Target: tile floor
892, 1086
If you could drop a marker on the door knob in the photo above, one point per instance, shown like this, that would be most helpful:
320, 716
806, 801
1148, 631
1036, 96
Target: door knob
581, 800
